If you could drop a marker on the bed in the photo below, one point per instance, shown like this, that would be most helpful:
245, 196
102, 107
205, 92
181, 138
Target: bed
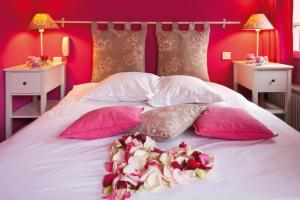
37, 164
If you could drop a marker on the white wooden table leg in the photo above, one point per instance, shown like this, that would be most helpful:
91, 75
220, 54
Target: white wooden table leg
8, 106
63, 82
43, 102
255, 97
288, 96
8, 119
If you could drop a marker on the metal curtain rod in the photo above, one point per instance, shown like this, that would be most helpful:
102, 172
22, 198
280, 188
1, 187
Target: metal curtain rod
224, 22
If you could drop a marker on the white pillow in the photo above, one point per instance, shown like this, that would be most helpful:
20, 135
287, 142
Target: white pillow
179, 89
125, 86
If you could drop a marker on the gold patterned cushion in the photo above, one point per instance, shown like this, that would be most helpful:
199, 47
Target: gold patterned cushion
169, 122
183, 52
117, 51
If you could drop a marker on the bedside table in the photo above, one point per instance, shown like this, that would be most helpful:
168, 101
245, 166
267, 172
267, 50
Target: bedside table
271, 77
26, 81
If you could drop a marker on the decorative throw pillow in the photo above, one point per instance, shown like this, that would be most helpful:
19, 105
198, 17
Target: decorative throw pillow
230, 124
183, 52
168, 122
117, 51
104, 122
125, 86
179, 89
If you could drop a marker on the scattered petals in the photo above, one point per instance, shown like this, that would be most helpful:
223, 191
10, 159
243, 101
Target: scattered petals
136, 164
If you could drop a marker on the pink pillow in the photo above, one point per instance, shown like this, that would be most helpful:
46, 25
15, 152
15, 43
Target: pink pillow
104, 122
231, 124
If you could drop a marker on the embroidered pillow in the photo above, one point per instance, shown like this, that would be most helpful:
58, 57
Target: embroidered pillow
230, 124
104, 122
169, 122
183, 52
117, 51
178, 89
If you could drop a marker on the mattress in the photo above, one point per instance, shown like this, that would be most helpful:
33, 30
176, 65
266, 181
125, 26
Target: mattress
36, 164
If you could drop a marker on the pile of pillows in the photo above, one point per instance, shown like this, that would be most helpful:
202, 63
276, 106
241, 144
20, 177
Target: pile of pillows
179, 99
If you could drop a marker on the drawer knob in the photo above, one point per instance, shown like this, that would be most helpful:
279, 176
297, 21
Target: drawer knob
24, 83
273, 81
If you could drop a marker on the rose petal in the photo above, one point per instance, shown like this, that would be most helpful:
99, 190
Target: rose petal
141, 153
176, 165
166, 158
129, 146
149, 144
128, 140
137, 163
128, 170
141, 138
155, 164
189, 151
108, 179
192, 164
119, 157
121, 185
152, 179
108, 166
107, 191
134, 180
200, 173
204, 158
168, 174
180, 160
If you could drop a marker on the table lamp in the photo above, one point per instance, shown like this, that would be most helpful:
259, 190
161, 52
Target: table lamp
258, 22
42, 21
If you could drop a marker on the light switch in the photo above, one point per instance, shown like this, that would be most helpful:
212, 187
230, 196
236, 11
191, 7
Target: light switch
226, 55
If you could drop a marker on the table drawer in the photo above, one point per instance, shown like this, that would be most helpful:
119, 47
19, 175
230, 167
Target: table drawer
25, 83
271, 81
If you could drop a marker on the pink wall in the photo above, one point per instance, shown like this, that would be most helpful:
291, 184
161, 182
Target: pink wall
17, 42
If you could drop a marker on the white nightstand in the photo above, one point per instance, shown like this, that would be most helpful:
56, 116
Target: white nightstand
271, 77
25, 81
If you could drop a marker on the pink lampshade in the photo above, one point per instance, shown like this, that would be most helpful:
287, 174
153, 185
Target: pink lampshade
42, 21
258, 22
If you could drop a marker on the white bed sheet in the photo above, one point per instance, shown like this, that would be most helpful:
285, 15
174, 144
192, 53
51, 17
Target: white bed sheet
36, 164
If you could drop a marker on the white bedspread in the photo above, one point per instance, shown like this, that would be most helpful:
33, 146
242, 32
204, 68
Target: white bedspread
35, 164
